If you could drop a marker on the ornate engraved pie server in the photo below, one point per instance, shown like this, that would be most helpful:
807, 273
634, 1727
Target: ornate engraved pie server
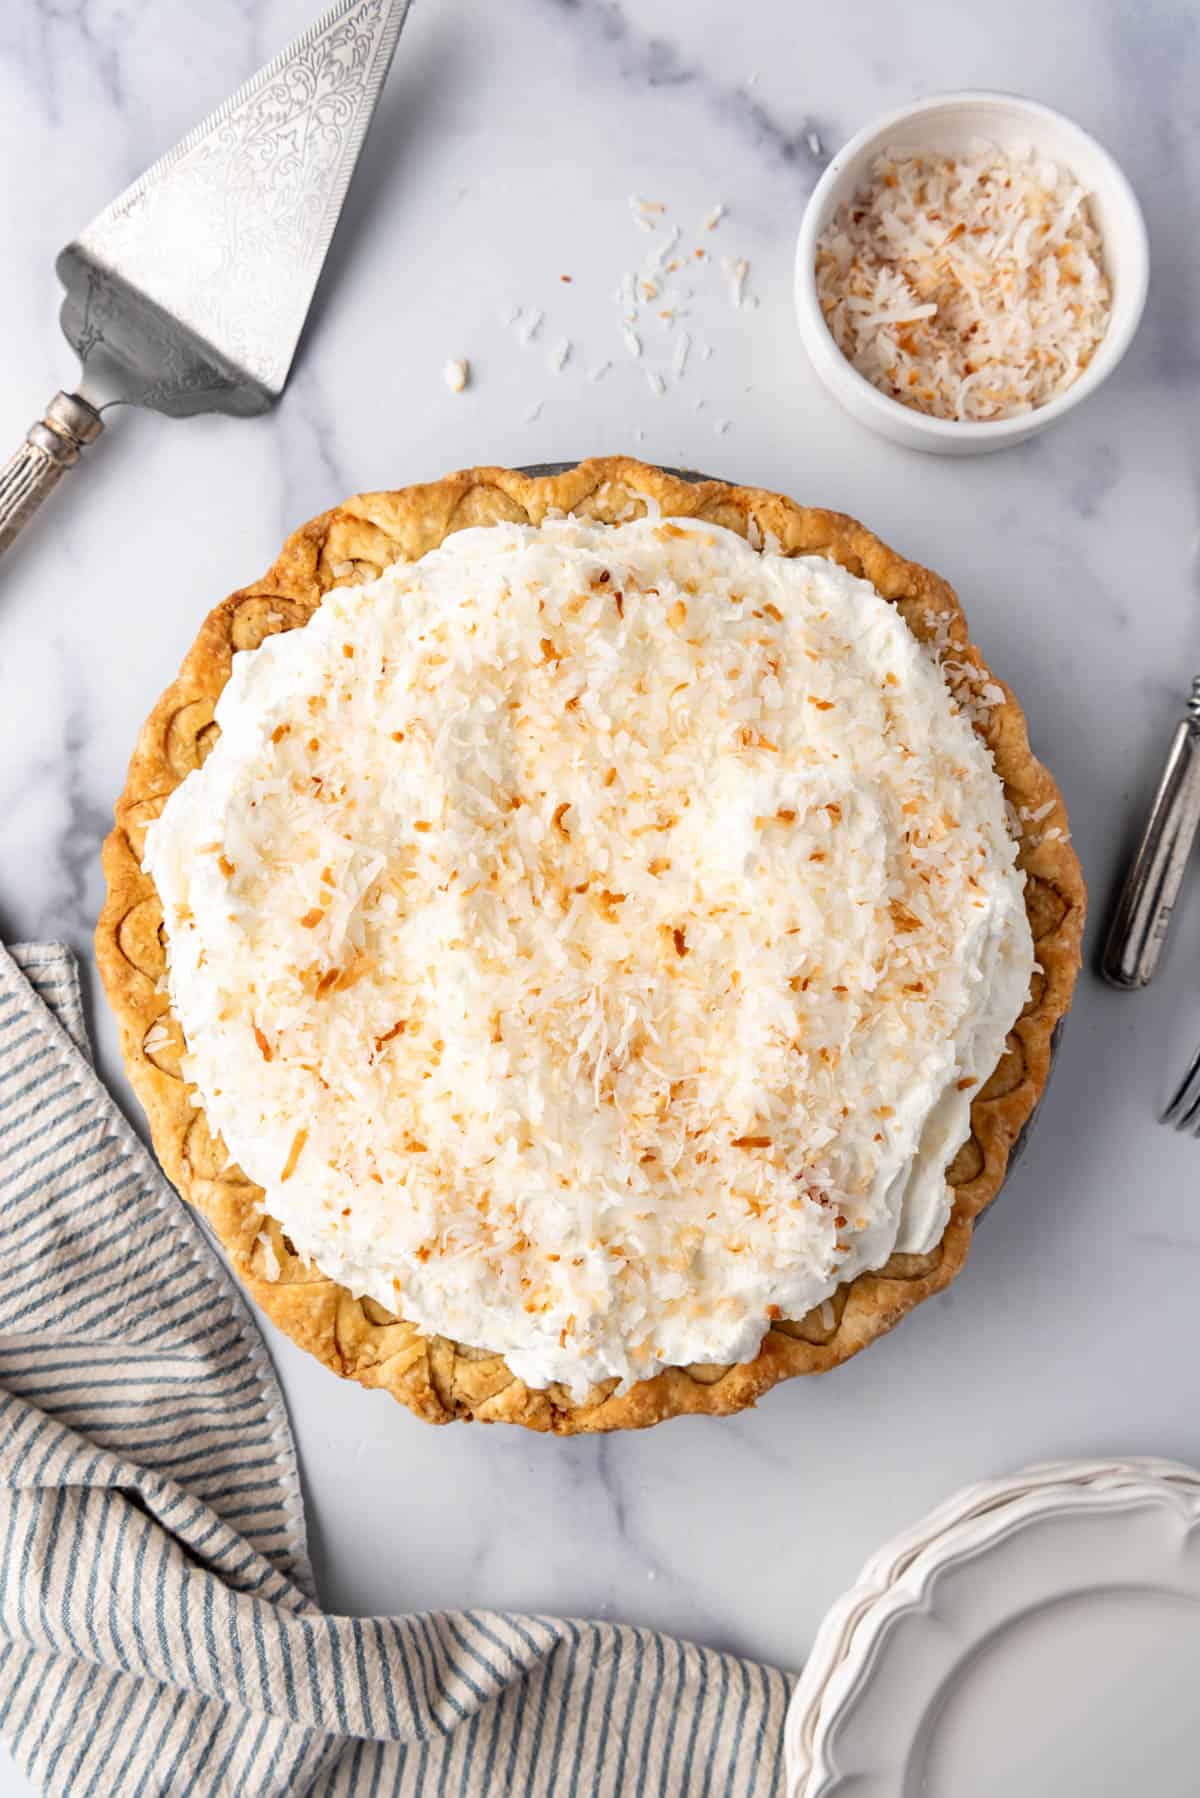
190, 292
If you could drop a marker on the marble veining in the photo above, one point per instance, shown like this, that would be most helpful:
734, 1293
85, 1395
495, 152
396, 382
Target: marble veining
503, 155
646, 59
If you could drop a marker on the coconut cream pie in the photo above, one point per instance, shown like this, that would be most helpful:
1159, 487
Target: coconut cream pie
598, 966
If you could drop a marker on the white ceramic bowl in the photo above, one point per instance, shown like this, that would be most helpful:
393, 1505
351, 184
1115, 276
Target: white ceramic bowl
950, 123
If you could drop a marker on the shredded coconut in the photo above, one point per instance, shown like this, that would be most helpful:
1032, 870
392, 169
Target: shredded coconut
736, 269
456, 374
967, 288
530, 325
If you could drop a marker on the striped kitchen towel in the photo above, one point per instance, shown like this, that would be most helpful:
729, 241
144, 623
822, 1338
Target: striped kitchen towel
159, 1626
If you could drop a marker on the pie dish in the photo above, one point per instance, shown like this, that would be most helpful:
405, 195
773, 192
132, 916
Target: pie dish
439, 1375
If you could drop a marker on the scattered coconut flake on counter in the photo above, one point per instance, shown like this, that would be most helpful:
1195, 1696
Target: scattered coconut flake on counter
814, 144
736, 269
659, 255
643, 211
660, 290
456, 374
968, 287
534, 413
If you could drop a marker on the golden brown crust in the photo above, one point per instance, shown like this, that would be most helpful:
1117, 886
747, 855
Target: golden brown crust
438, 1379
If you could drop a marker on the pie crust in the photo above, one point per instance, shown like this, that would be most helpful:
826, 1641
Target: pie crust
442, 1380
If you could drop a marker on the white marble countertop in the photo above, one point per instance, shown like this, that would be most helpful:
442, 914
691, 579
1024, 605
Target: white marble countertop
502, 157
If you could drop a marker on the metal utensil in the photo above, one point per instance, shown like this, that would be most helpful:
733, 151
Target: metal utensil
190, 292
1143, 914
1184, 1110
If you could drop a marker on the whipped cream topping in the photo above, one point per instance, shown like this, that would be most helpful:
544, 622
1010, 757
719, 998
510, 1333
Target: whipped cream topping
590, 938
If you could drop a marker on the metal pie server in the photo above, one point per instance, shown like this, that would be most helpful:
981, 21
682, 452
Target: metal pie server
190, 292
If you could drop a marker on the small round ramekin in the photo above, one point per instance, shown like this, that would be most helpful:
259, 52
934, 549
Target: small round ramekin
951, 123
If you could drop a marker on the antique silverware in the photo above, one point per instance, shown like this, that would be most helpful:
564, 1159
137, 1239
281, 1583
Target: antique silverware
190, 292
1143, 914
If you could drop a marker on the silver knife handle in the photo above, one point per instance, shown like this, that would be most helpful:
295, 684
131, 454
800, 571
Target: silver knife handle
51, 446
1143, 915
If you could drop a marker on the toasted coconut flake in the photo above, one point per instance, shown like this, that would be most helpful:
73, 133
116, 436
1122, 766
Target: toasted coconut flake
294, 1154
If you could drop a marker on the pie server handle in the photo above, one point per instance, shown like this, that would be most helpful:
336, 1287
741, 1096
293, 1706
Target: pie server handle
1143, 915
51, 446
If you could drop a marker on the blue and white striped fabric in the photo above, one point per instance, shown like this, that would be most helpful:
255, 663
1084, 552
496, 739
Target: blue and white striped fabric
159, 1629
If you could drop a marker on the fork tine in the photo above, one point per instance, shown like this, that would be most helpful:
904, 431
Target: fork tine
1185, 1104
1189, 1119
1180, 1107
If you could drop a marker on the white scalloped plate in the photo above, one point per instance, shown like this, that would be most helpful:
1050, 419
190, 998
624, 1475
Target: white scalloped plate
1034, 1638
